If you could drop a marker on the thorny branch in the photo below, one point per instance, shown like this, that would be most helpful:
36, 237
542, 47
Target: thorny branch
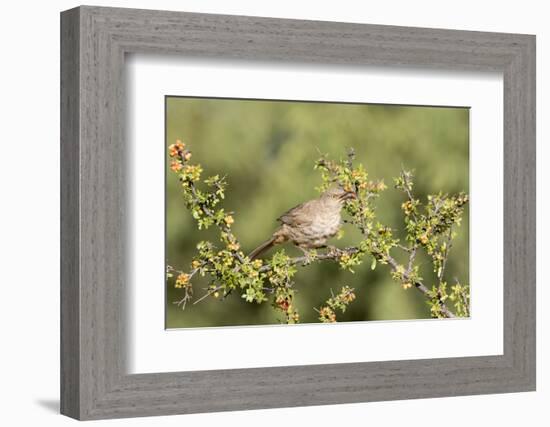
230, 269
336, 255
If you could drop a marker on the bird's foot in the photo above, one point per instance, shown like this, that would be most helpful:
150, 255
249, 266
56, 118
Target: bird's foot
333, 251
308, 256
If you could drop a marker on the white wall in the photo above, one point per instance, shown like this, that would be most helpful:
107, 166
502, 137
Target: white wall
29, 194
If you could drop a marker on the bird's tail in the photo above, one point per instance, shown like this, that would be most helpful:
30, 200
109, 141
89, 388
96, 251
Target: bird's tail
263, 247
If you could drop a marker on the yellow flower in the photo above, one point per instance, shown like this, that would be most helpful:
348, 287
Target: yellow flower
193, 171
233, 246
327, 314
407, 207
182, 280
195, 263
406, 285
229, 220
349, 297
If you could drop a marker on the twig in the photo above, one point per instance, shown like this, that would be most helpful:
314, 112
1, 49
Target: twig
465, 303
421, 287
464, 298
407, 191
209, 213
212, 291
447, 249
183, 302
412, 256
170, 269
351, 157
188, 295
332, 255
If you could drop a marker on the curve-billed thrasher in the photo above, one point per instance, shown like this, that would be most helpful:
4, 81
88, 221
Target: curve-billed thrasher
310, 224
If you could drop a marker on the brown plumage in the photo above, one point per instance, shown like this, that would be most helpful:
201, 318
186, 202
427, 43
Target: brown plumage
310, 224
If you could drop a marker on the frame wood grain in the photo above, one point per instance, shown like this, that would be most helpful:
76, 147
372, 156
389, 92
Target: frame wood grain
94, 381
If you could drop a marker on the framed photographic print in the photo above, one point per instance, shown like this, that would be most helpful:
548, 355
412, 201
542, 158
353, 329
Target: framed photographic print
350, 209
278, 140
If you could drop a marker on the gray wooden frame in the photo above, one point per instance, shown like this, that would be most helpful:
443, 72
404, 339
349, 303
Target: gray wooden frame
94, 41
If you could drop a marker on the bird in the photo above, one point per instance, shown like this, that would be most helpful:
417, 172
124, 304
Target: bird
310, 224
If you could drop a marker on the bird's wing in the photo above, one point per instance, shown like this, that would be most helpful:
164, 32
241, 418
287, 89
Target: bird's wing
296, 214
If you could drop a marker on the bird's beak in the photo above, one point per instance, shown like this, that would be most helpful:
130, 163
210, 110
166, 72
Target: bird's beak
348, 195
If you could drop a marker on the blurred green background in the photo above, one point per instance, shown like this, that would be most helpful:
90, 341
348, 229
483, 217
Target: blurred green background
267, 150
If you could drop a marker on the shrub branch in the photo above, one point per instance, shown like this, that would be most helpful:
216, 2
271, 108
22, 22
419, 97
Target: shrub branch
429, 226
